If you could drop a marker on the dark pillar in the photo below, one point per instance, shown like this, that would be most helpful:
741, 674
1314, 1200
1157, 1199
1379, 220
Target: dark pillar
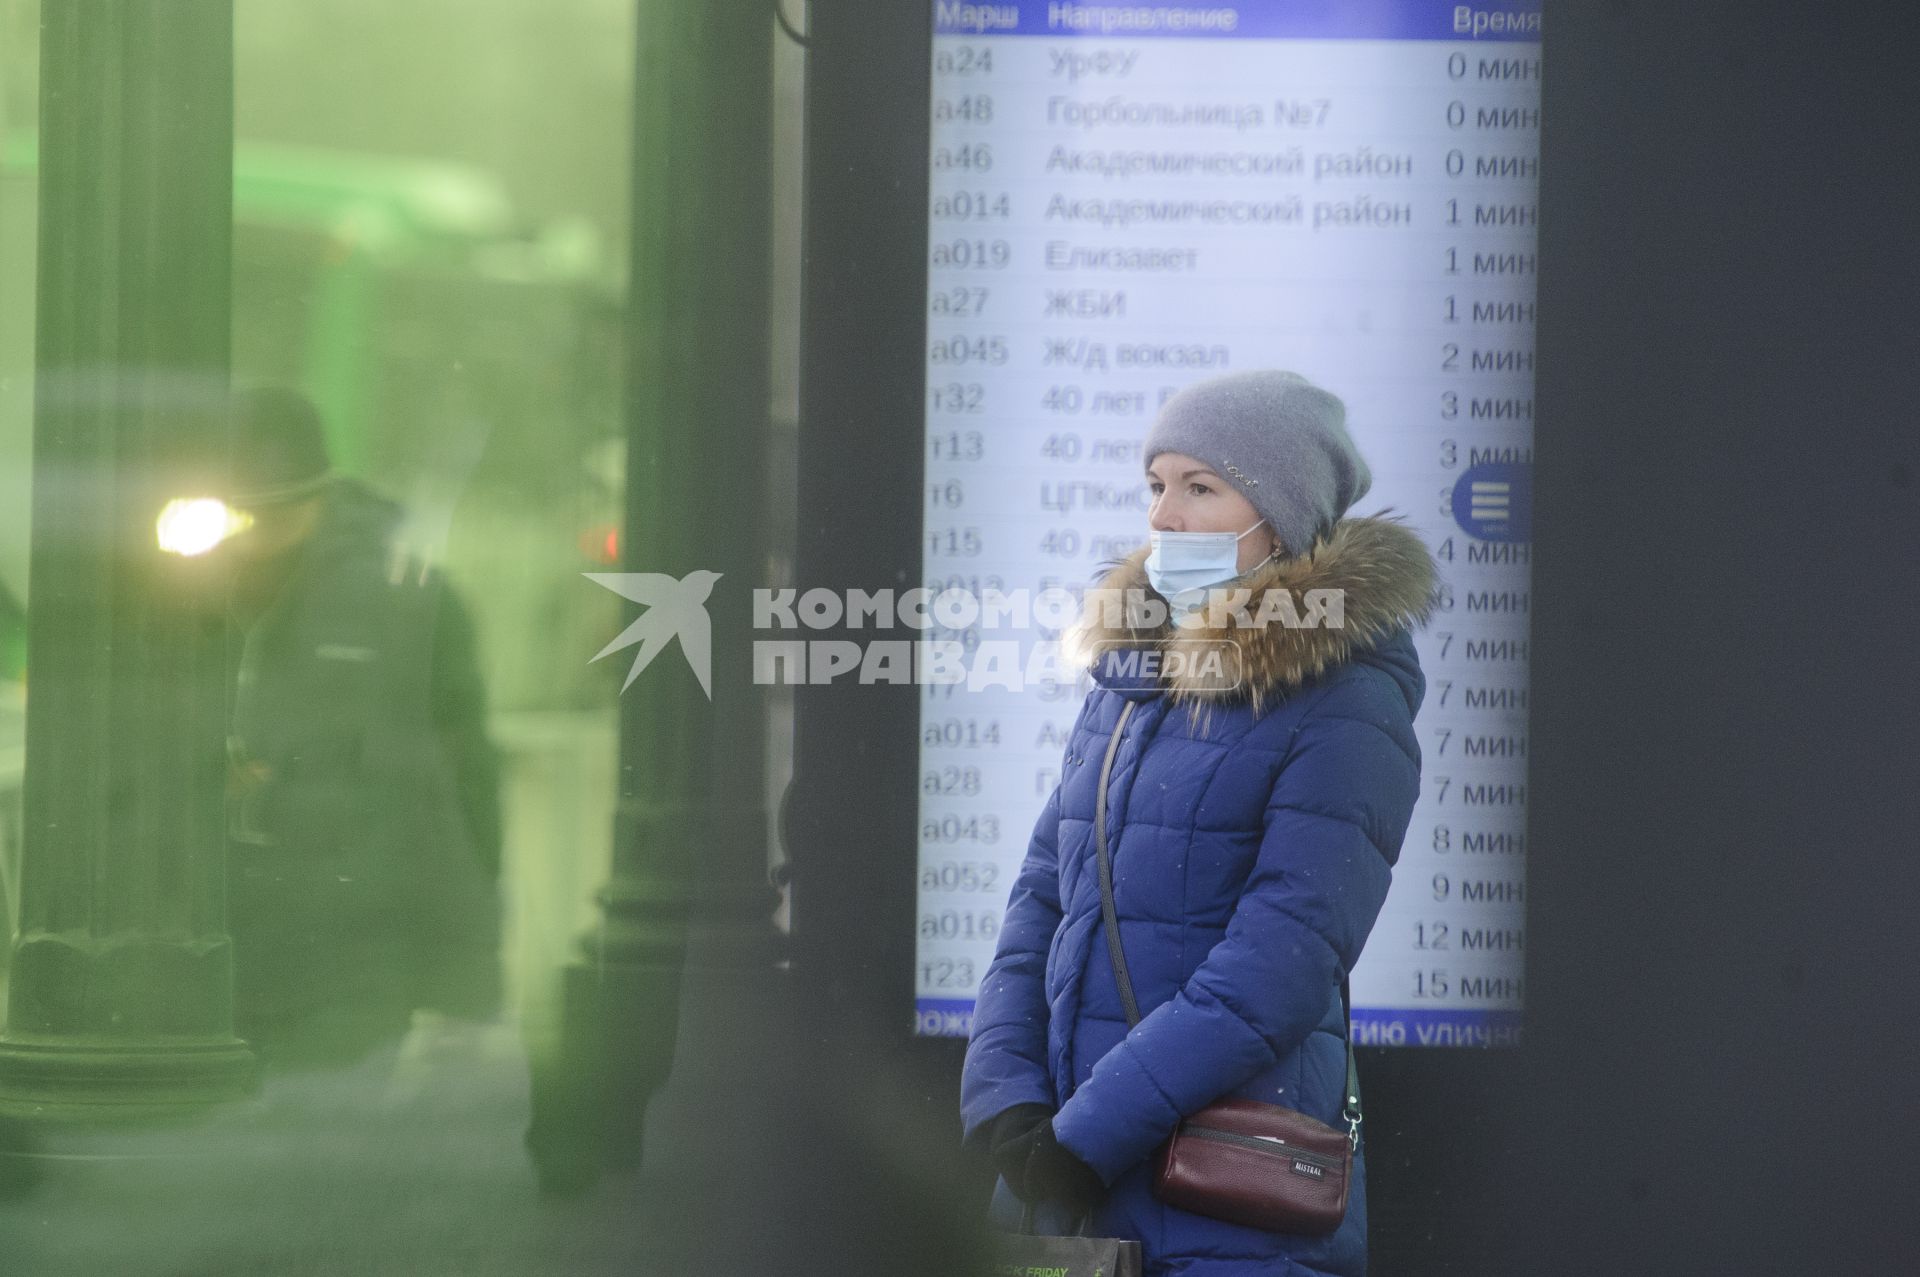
120, 995
689, 852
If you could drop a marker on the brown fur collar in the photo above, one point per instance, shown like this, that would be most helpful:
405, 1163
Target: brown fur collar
1388, 575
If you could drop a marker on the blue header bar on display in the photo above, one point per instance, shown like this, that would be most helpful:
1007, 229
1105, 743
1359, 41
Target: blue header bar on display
1252, 19
1450, 1027
1462, 1027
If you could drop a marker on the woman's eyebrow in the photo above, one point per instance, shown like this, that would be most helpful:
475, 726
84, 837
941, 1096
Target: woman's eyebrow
1186, 475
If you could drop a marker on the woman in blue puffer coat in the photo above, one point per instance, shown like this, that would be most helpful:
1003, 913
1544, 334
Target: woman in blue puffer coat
1255, 809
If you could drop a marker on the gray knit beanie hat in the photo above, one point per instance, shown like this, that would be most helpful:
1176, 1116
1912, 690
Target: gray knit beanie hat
1279, 439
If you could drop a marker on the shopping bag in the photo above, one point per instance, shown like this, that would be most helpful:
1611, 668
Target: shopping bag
1025, 1255
1028, 1254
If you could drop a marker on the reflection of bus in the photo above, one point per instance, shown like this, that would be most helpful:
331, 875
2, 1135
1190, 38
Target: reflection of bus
466, 367
461, 363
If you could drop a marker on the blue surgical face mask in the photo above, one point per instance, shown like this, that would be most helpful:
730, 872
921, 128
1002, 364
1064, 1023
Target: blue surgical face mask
1183, 566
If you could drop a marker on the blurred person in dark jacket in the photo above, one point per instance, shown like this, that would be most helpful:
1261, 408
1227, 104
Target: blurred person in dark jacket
363, 807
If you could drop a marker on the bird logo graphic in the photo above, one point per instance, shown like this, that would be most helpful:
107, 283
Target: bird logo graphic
675, 608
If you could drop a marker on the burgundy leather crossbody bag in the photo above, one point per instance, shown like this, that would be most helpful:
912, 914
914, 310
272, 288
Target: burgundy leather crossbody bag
1245, 1161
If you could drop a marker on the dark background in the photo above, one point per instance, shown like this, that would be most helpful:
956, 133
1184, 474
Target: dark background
1722, 815
1718, 1074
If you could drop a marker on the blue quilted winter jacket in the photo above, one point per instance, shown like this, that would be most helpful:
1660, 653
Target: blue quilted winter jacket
1254, 817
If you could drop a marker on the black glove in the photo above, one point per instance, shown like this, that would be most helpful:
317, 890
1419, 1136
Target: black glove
1011, 1126
1035, 1164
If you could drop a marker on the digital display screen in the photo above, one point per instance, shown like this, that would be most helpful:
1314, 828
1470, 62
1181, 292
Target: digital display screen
1126, 199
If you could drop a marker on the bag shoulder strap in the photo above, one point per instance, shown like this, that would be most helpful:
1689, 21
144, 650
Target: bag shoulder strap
1109, 917
1110, 920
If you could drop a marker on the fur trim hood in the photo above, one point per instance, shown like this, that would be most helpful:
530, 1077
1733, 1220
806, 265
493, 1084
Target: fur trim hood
1386, 576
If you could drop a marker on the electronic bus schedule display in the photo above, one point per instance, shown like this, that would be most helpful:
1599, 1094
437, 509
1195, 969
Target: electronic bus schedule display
1129, 198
